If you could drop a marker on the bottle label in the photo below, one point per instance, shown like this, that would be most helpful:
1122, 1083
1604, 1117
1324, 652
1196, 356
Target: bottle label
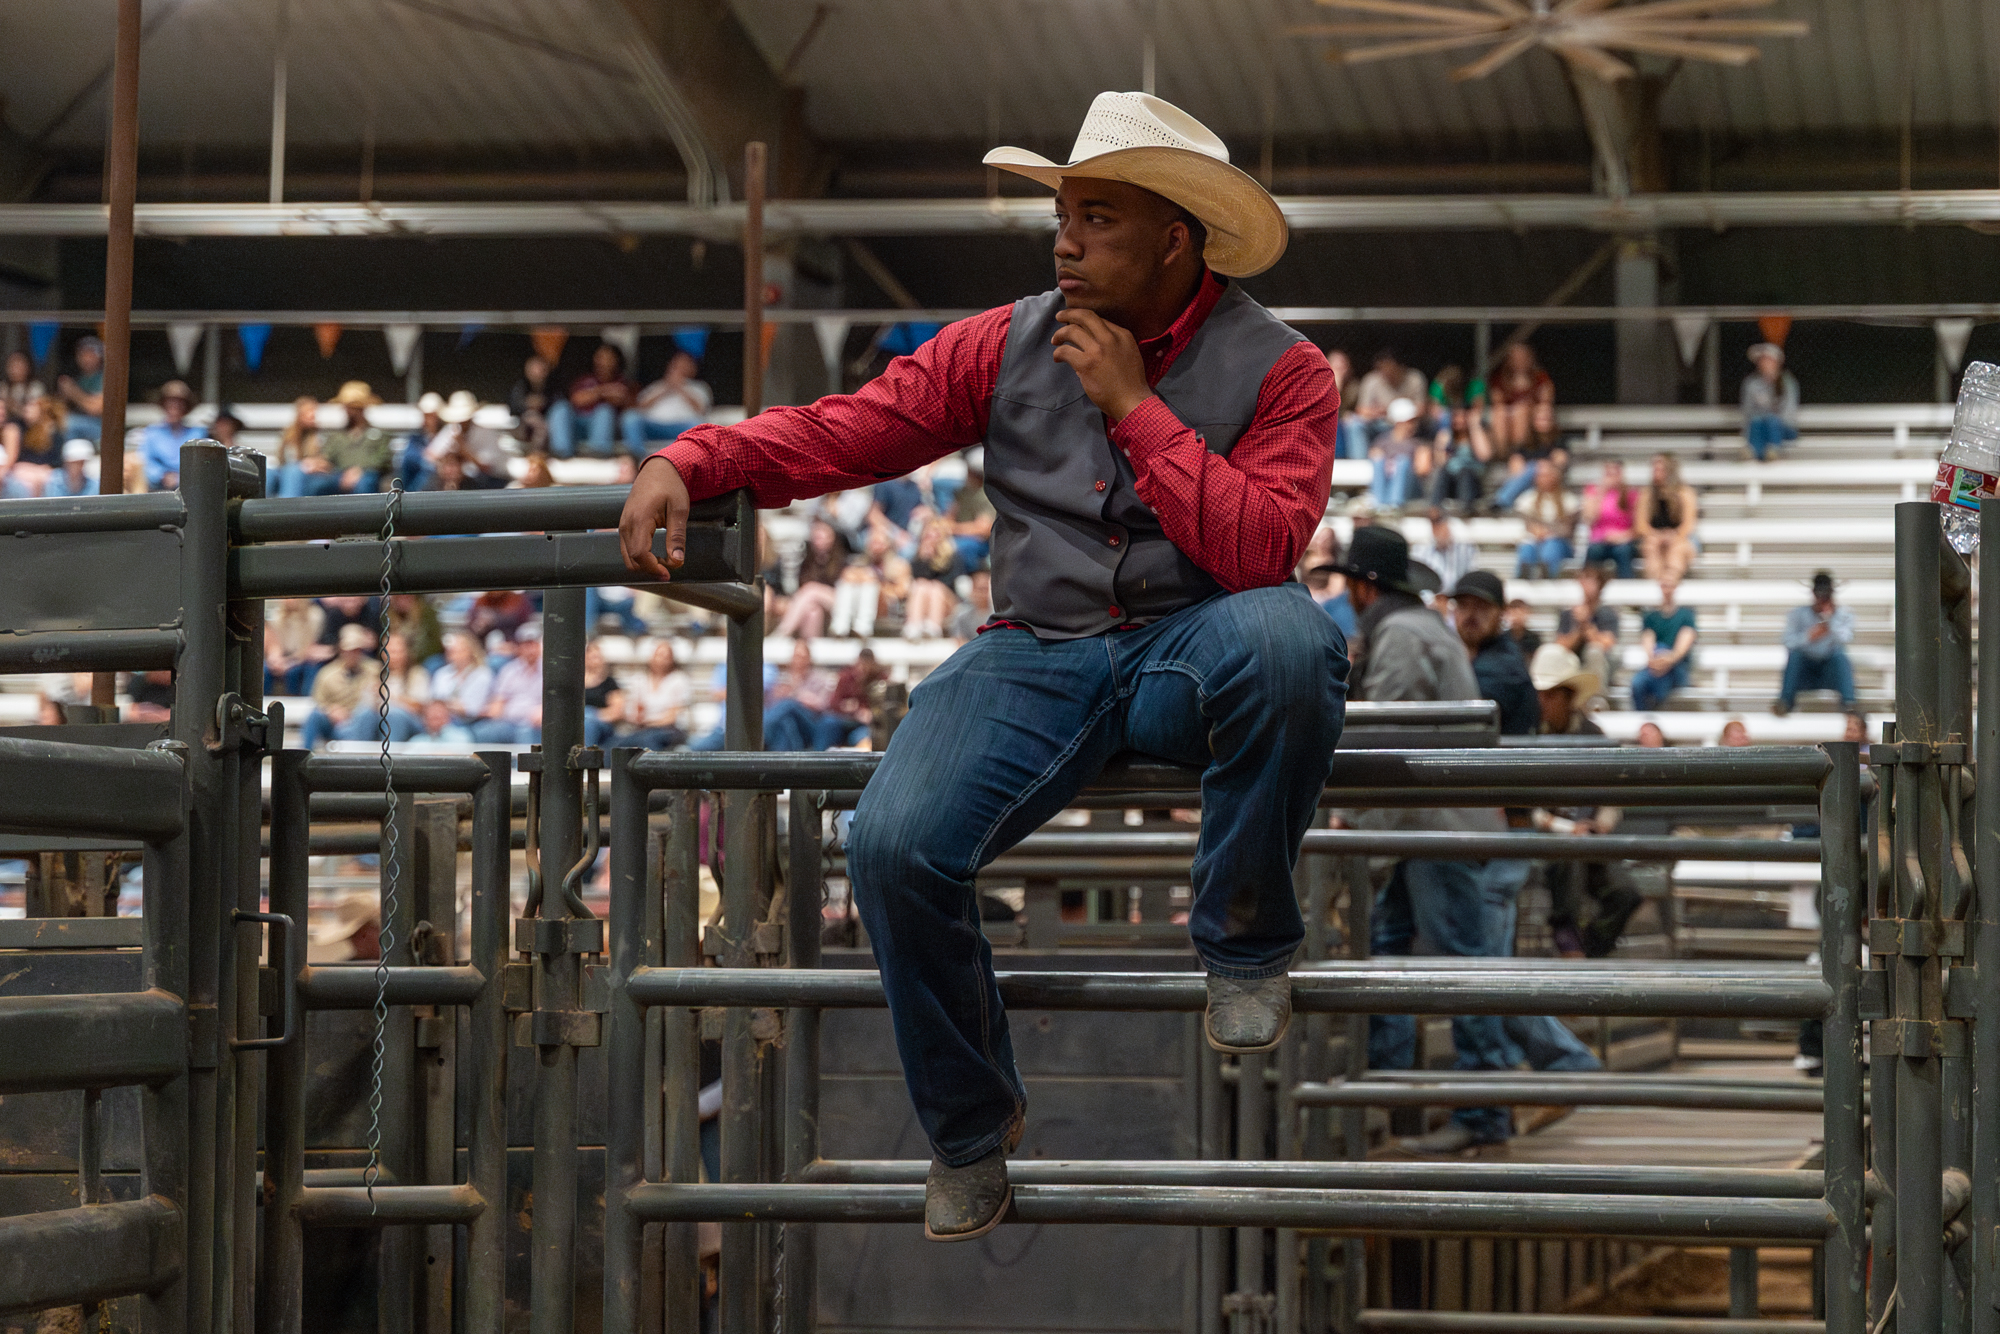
1964, 487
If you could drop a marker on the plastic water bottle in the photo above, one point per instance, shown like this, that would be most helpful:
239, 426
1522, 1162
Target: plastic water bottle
1969, 470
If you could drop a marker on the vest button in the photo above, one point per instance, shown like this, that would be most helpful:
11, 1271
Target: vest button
1100, 486
1114, 611
1113, 539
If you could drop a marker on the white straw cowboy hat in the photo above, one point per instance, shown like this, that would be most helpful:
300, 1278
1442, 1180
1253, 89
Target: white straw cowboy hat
1140, 140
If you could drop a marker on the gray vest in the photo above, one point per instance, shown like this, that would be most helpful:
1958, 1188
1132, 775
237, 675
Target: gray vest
1075, 551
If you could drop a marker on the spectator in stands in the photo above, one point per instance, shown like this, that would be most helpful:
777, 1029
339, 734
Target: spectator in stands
481, 455
1353, 442
440, 726
337, 613
74, 477
465, 681
344, 688
83, 393
505, 610
668, 406
603, 699
409, 692
1651, 736
1549, 511
935, 568
795, 707
291, 629
34, 448
595, 400
152, 696
1382, 386
529, 401
298, 449
1610, 514
820, 568
1566, 689
972, 512
976, 610
1665, 523
352, 460
1770, 402
225, 426
1856, 730
1323, 579
412, 616
657, 711
1590, 629
1735, 734
20, 387
1816, 640
857, 597
1668, 635
1519, 629
1405, 651
513, 714
846, 723
1394, 455
1446, 553
1458, 468
1512, 395
903, 505
159, 444
413, 464
1544, 442
1476, 602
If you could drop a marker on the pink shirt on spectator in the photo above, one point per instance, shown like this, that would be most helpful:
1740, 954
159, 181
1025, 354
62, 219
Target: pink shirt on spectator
1615, 510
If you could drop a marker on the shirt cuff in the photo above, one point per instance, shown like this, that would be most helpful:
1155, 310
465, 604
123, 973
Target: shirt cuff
691, 459
1149, 428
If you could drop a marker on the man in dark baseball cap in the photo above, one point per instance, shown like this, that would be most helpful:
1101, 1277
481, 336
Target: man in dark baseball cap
1503, 677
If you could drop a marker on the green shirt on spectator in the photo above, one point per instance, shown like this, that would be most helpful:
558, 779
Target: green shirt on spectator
367, 449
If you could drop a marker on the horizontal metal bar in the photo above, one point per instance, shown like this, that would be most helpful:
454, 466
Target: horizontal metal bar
89, 651
1549, 1091
413, 773
1440, 846
463, 564
1492, 1322
352, 986
349, 1206
66, 1256
347, 1176
93, 514
1433, 1213
55, 787
1612, 1078
71, 933
443, 513
1556, 1178
90, 1041
1486, 986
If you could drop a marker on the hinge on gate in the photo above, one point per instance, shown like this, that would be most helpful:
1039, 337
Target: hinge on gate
238, 727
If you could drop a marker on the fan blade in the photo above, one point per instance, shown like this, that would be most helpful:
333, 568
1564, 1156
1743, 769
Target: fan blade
1494, 59
1616, 23
1599, 64
1660, 9
1406, 29
1666, 46
1390, 50
1578, 7
1512, 9
1413, 10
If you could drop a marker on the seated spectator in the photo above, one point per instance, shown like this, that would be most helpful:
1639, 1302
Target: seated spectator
1458, 469
1651, 736
1816, 640
34, 450
412, 616
83, 393
934, 571
1549, 510
1382, 386
225, 426
619, 603
1735, 733
160, 444
1517, 388
513, 713
343, 692
1666, 519
337, 613
152, 696
868, 579
1544, 442
481, 455
291, 630
465, 682
1446, 553
797, 706
440, 726
820, 569
298, 449
656, 713
505, 610
1565, 689
76, 477
1519, 629
668, 406
529, 401
846, 723
595, 400
1476, 600
1770, 402
1353, 441
413, 463
409, 692
20, 387
903, 505
971, 512
1323, 579
1668, 635
1590, 629
976, 610
1394, 455
352, 460
1610, 513
603, 699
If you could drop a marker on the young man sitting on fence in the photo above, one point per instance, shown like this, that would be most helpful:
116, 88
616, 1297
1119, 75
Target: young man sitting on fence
1157, 450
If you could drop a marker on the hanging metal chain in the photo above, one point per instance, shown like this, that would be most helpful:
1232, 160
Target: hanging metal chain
392, 869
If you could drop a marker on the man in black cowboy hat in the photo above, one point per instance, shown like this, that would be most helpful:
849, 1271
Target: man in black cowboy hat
1405, 651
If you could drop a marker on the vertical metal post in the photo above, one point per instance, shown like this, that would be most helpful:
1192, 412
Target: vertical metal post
805, 888
624, 1047
1983, 1210
1742, 1282
281, 1295
396, 1282
1951, 897
753, 278
1253, 1119
1354, 1120
1285, 1318
1314, 1309
1841, 915
1882, 896
553, 1249
486, 1048
122, 190
164, 1108
436, 854
1214, 1241
742, 1055
680, 947
279, 60
211, 364
246, 621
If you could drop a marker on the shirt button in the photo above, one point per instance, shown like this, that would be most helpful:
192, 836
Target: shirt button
1114, 611
1113, 539
1100, 486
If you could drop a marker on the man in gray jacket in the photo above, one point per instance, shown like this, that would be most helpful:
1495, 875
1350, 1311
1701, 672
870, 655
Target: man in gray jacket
1404, 651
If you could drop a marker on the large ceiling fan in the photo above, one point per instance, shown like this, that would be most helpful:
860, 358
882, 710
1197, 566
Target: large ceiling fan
1577, 30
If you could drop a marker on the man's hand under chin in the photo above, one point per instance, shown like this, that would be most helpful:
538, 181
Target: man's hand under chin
1105, 358
659, 500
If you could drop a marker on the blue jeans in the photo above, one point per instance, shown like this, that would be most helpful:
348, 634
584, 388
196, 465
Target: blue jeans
1622, 555
501, 732
641, 435
77, 426
1356, 434
365, 724
294, 481
1764, 434
1514, 487
1542, 1042
600, 426
1443, 902
595, 604
1391, 487
1833, 672
1251, 687
1549, 554
1649, 692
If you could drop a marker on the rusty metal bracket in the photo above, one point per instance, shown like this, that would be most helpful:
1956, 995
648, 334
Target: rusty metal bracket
559, 935
1916, 937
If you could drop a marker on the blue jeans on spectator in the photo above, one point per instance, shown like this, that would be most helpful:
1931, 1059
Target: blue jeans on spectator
295, 680
1444, 903
365, 724
1542, 1042
1391, 487
1356, 434
642, 437
973, 551
596, 603
1458, 478
502, 732
294, 481
1514, 487
1764, 434
1549, 554
1250, 687
414, 469
1623, 556
76, 426
1833, 672
1650, 692
600, 427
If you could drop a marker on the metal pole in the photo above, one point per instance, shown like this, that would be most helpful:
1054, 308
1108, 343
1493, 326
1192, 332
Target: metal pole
753, 278
1214, 1242
1882, 1082
164, 1108
806, 890
624, 1048
281, 1295
681, 1060
1984, 945
122, 190
396, 1284
553, 1249
1354, 1120
1742, 1282
1841, 914
279, 60
742, 1055
247, 672
1253, 1118
486, 1049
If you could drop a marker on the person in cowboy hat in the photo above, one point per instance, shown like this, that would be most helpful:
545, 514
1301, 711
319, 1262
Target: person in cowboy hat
160, 444
359, 453
1770, 402
1405, 651
482, 458
1158, 448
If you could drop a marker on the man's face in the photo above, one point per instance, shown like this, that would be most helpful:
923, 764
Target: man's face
173, 409
529, 651
1440, 533
1113, 243
1478, 620
604, 361
88, 359
1556, 704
